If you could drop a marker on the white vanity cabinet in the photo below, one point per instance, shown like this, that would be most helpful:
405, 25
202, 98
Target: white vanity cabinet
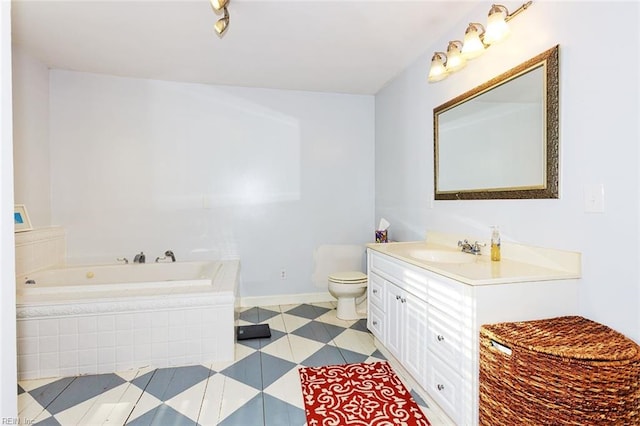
430, 323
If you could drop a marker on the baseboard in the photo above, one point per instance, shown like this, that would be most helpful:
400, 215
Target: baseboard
286, 299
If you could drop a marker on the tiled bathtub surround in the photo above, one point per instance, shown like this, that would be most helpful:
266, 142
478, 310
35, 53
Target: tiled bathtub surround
106, 343
93, 336
39, 248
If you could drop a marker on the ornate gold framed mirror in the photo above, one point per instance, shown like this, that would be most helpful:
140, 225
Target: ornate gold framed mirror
500, 139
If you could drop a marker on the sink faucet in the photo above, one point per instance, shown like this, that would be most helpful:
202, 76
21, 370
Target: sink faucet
169, 254
474, 248
139, 258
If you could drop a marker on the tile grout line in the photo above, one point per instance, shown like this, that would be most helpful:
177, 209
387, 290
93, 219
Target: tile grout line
129, 386
260, 346
286, 330
204, 394
140, 397
51, 402
264, 409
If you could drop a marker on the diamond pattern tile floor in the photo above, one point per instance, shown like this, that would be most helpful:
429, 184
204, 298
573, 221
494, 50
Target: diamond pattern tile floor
261, 388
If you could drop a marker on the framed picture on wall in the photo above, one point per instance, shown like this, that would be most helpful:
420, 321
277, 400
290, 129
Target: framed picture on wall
21, 218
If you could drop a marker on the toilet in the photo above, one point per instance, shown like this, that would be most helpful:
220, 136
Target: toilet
347, 287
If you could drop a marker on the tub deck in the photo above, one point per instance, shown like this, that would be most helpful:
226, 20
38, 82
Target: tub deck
104, 281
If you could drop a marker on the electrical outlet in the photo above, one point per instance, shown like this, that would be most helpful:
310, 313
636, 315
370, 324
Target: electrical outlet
283, 274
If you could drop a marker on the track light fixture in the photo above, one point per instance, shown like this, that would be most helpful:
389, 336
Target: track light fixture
476, 40
222, 23
219, 4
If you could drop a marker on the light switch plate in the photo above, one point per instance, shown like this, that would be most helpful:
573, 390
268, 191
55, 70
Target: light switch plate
594, 198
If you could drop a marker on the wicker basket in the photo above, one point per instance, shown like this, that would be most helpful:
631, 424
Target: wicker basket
558, 371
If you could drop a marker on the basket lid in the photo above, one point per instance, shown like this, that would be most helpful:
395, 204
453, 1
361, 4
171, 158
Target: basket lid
568, 337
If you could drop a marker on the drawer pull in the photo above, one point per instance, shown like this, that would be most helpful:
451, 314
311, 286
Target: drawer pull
440, 386
375, 291
397, 297
440, 337
403, 300
375, 322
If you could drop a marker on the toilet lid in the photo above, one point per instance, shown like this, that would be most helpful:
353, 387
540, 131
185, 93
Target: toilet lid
354, 277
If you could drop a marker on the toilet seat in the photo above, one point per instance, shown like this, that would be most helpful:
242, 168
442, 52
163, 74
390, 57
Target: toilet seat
348, 277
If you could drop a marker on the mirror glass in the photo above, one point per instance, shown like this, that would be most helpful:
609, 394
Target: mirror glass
500, 140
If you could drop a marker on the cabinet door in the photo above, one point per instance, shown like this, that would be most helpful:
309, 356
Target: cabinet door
395, 320
415, 338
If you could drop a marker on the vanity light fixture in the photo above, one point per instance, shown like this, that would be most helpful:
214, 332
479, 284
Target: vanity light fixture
473, 45
497, 27
438, 70
476, 40
455, 60
222, 23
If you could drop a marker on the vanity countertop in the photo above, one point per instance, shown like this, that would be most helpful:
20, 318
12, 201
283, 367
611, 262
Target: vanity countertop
519, 263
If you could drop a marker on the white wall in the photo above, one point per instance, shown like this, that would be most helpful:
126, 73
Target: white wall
8, 377
598, 145
268, 176
31, 136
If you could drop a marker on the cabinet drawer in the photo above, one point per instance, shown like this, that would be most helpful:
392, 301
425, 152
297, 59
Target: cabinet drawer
448, 296
376, 291
375, 322
445, 337
445, 387
406, 276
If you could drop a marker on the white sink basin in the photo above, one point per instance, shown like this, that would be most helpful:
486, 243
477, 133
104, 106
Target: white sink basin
442, 256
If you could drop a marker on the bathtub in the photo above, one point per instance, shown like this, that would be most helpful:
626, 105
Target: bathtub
94, 319
80, 280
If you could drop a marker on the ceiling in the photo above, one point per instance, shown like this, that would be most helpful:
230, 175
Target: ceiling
346, 46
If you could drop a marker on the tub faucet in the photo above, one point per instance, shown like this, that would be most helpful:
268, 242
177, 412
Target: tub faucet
139, 258
167, 253
474, 248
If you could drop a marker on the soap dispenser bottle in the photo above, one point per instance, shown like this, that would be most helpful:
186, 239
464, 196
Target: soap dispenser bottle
495, 243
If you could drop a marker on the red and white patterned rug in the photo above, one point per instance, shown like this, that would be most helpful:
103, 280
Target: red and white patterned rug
358, 394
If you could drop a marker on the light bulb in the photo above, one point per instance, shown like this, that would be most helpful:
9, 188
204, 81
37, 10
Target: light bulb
455, 60
497, 27
473, 46
438, 70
